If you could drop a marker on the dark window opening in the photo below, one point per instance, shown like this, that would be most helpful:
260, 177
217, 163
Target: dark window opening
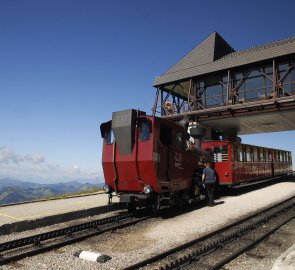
179, 139
144, 131
165, 135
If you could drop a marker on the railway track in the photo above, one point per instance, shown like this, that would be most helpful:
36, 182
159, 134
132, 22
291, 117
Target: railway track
29, 246
214, 250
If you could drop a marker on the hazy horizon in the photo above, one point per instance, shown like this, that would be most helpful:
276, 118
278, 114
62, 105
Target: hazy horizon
67, 65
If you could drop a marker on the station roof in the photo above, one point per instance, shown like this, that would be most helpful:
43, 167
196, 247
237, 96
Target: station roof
215, 54
262, 116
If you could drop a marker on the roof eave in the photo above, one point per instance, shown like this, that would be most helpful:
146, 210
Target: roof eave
227, 63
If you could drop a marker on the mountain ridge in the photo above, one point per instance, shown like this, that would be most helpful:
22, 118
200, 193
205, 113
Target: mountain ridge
14, 191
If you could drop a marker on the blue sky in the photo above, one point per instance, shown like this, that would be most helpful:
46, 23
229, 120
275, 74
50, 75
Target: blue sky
65, 65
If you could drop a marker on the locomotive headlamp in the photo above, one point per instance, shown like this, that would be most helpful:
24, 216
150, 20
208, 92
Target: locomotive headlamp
147, 189
107, 189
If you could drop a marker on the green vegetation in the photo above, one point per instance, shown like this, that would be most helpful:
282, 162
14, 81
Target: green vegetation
71, 194
14, 191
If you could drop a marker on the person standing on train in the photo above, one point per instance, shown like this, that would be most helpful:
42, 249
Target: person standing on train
209, 180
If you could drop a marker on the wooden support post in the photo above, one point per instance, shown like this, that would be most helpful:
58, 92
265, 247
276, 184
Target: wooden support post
228, 88
189, 95
162, 110
154, 110
194, 88
177, 105
274, 81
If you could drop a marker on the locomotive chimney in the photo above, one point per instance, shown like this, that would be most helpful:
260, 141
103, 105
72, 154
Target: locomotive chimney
197, 133
123, 126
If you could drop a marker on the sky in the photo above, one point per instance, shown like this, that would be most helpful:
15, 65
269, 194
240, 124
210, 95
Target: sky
66, 65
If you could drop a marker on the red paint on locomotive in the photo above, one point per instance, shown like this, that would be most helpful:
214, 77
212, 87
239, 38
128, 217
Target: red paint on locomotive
158, 158
149, 160
134, 169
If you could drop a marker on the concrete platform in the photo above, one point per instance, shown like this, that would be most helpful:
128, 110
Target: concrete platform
286, 261
27, 216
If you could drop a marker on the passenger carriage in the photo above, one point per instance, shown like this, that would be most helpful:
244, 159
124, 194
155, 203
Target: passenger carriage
237, 164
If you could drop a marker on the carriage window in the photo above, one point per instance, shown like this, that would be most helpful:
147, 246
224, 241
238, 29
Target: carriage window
248, 155
282, 156
109, 136
255, 156
264, 155
261, 158
220, 153
270, 155
144, 131
179, 142
240, 154
274, 155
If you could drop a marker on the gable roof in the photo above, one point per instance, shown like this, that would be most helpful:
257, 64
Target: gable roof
209, 50
214, 54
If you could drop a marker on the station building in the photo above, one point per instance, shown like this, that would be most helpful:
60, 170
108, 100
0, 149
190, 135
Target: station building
214, 82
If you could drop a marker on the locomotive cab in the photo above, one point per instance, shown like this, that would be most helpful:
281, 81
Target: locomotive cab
145, 159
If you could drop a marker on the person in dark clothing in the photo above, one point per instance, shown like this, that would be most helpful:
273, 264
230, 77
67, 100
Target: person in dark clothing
209, 179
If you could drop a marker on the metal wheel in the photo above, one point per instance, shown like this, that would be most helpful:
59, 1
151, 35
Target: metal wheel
131, 207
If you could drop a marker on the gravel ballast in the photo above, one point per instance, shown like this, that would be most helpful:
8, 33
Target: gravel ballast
155, 235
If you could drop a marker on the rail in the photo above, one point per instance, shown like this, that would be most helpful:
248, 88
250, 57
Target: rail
21, 247
216, 239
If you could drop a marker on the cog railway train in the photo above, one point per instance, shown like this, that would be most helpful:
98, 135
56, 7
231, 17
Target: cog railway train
152, 161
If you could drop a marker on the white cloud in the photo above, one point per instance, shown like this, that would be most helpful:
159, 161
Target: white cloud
77, 170
48, 173
35, 158
53, 167
8, 156
35, 168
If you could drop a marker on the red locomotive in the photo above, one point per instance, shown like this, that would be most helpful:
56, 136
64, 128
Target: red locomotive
150, 160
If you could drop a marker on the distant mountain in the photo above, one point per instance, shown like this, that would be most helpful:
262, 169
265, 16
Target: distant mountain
8, 182
16, 194
12, 191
